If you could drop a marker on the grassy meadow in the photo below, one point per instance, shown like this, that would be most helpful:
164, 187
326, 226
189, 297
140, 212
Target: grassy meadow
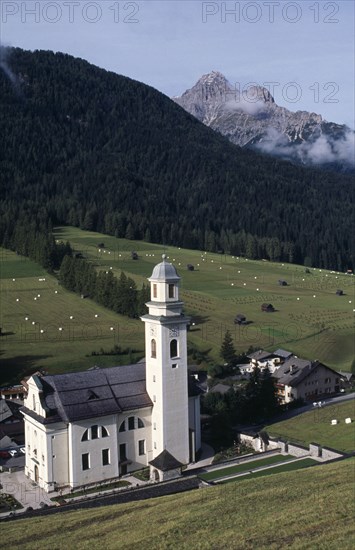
305, 509
310, 320
315, 426
33, 309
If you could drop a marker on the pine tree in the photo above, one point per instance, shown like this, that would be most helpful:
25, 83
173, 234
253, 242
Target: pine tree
227, 352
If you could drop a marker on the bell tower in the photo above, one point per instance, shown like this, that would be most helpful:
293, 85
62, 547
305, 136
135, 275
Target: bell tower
166, 363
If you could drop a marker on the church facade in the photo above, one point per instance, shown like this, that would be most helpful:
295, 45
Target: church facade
88, 427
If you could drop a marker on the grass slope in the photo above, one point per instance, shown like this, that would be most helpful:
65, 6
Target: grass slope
244, 467
26, 349
315, 426
317, 326
307, 509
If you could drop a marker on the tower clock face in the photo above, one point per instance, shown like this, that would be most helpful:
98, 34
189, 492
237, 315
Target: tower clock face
174, 331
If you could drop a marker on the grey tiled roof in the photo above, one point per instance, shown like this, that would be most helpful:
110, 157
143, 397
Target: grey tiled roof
260, 355
294, 370
164, 271
165, 461
282, 353
95, 393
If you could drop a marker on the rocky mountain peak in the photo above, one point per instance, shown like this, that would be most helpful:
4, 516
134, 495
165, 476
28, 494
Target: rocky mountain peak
251, 118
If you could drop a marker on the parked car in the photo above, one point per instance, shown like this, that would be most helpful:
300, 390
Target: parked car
4, 454
14, 452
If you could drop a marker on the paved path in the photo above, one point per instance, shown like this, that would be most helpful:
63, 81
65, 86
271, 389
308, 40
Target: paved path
207, 454
24, 490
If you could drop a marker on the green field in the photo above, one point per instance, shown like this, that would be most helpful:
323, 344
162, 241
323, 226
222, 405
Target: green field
288, 467
306, 509
318, 325
315, 426
244, 467
24, 348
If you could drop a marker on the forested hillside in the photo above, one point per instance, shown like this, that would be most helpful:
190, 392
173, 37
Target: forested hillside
90, 148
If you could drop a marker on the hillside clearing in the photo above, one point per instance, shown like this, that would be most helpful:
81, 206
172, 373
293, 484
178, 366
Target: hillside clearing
305, 509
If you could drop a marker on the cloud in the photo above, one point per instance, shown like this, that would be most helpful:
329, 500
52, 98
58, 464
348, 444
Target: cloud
323, 150
4, 54
240, 103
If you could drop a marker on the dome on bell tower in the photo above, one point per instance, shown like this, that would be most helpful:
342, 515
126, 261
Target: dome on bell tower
164, 271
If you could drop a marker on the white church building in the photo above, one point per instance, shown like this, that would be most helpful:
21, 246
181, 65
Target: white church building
87, 427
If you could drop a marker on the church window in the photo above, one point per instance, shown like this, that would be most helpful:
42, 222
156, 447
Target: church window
94, 432
154, 426
155, 445
155, 290
92, 395
174, 366
105, 457
154, 398
131, 423
171, 291
122, 427
153, 377
141, 447
123, 451
34, 402
85, 461
153, 348
104, 432
173, 348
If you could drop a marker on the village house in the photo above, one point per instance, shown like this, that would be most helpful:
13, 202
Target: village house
88, 427
266, 360
11, 424
308, 380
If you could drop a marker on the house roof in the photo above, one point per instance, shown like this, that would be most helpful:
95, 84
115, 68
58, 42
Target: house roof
282, 353
9, 410
165, 461
220, 388
260, 355
295, 370
94, 393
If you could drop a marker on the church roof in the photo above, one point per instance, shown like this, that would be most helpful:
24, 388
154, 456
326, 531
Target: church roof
164, 271
165, 461
94, 393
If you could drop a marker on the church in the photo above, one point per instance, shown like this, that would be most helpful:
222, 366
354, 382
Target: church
88, 427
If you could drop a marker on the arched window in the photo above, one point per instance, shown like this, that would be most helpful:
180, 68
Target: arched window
94, 433
131, 423
173, 348
171, 291
104, 432
122, 427
153, 349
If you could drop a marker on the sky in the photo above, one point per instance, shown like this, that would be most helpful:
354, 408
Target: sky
302, 51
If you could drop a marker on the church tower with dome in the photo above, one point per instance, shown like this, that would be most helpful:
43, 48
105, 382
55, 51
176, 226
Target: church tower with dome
166, 364
92, 426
